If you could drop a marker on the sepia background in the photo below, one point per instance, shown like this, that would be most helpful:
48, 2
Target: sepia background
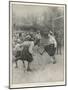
31, 18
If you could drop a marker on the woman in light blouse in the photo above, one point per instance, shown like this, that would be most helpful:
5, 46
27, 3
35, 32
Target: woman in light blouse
51, 47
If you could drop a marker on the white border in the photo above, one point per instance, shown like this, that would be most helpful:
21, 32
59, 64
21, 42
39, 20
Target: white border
35, 3
10, 35
36, 84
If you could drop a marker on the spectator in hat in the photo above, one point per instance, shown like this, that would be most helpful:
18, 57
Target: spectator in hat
38, 37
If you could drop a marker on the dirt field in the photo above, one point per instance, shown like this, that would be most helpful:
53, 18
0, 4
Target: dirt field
42, 70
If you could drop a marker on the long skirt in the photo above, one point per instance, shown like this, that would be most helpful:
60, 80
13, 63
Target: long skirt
50, 49
24, 54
